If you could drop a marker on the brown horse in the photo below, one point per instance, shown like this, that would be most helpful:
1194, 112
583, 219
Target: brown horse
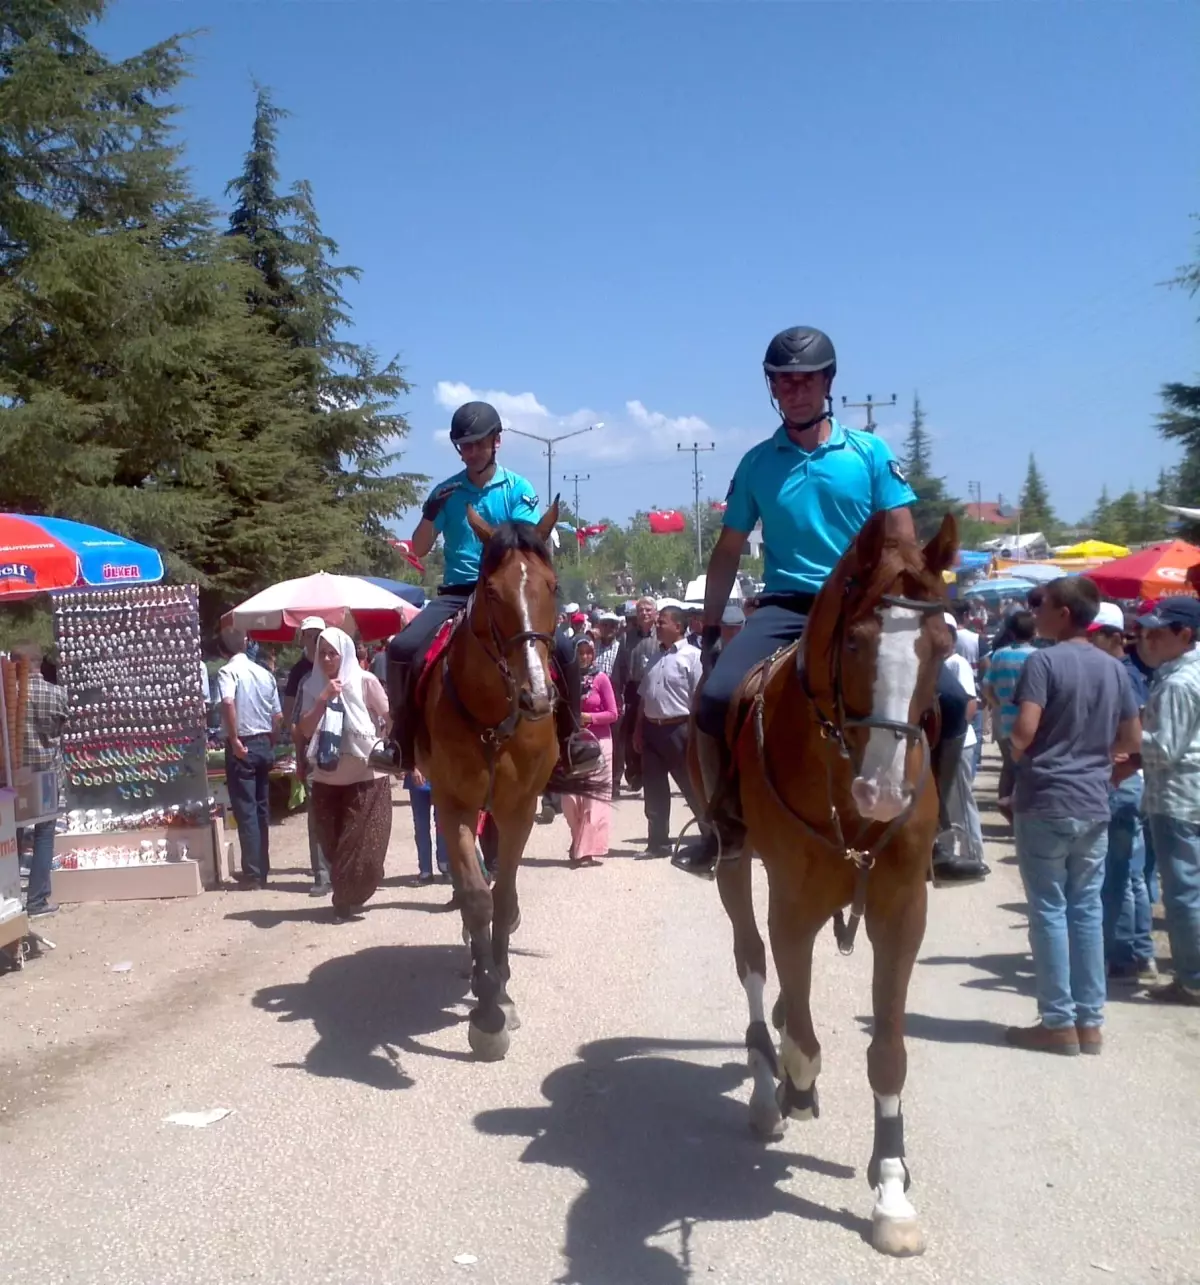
488, 744
838, 800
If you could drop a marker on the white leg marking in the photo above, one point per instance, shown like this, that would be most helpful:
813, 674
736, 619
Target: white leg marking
801, 1070
765, 1119
880, 792
533, 662
894, 1226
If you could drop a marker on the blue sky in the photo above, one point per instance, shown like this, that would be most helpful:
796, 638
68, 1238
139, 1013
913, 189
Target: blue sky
604, 211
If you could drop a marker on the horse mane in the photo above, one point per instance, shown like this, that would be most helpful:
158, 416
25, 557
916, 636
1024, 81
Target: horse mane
512, 537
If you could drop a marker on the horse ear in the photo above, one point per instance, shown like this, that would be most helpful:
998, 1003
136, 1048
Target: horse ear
548, 522
942, 550
479, 526
868, 545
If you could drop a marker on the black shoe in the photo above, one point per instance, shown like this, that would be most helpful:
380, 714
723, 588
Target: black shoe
658, 850
248, 883
46, 909
426, 876
959, 870
698, 860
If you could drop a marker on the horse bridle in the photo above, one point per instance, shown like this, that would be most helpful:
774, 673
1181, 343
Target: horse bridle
834, 729
493, 736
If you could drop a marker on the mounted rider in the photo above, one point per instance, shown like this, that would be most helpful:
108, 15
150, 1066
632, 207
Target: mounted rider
813, 484
497, 495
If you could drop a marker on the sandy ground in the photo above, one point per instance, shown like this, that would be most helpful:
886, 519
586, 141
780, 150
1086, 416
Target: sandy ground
611, 1148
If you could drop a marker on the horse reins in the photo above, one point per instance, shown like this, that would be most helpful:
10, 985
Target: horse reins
494, 736
834, 729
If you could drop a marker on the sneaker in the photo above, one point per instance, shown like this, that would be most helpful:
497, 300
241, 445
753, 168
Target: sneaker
1176, 993
320, 889
1147, 972
42, 911
1044, 1039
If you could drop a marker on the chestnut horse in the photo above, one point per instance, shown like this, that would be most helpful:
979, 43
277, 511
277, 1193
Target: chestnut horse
839, 801
487, 744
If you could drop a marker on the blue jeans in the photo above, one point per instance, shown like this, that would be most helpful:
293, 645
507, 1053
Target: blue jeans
248, 781
977, 750
37, 895
1126, 901
1153, 890
1062, 866
1177, 847
422, 809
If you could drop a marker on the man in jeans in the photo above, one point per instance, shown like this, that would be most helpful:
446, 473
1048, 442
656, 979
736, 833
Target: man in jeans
1128, 946
1076, 712
252, 717
1004, 668
45, 718
1171, 758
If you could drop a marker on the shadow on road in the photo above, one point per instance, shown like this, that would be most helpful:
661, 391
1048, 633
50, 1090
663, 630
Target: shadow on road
661, 1149
1013, 973
317, 912
370, 1007
946, 1030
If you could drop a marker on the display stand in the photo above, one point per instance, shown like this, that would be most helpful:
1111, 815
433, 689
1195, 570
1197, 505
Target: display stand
136, 788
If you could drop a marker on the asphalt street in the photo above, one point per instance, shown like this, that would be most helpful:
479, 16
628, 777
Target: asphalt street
611, 1148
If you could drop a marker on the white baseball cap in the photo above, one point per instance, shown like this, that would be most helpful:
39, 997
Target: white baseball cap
312, 624
571, 608
1110, 616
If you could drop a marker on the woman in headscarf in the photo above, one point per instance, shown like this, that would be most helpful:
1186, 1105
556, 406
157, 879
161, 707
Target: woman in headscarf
589, 819
351, 802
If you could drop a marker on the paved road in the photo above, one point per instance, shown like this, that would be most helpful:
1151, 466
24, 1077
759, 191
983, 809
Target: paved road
610, 1148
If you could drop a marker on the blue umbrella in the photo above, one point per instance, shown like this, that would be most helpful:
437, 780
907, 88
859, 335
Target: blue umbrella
1010, 588
409, 592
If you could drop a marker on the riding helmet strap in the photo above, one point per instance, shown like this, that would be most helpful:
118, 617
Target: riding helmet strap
889, 1145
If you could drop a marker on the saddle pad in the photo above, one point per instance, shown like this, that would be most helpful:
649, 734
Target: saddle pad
434, 653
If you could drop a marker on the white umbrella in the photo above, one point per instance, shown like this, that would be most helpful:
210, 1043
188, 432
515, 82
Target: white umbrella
275, 614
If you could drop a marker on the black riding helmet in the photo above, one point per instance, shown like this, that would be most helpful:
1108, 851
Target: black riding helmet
800, 350
473, 422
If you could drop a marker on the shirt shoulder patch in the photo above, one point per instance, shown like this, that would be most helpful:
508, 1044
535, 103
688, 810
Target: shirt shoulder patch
897, 471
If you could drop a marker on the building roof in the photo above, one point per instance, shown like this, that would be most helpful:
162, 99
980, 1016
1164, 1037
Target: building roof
991, 512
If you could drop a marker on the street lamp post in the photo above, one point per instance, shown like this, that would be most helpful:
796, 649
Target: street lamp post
549, 443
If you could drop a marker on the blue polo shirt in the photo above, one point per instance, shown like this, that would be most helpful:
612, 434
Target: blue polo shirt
812, 503
508, 497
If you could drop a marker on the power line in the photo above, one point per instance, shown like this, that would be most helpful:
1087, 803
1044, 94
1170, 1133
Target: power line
697, 478
576, 478
870, 407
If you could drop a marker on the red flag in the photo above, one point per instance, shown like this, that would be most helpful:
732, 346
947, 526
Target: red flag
587, 532
665, 521
718, 505
404, 549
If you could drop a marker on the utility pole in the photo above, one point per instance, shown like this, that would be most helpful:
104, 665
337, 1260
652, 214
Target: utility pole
577, 478
975, 491
870, 407
697, 478
549, 443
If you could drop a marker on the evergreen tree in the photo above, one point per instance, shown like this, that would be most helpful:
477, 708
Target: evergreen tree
1101, 516
1180, 422
916, 457
1036, 512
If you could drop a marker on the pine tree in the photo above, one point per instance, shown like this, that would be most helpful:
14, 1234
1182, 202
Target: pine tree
917, 454
1180, 422
1036, 512
916, 458
1101, 514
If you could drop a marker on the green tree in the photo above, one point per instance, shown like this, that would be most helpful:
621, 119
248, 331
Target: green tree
1036, 511
1180, 421
916, 458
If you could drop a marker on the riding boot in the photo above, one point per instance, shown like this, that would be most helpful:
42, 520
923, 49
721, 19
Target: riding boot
578, 753
720, 794
404, 730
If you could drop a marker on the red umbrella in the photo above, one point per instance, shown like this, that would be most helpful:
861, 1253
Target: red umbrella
1161, 571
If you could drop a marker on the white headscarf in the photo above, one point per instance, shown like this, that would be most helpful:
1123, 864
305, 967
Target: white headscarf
358, 727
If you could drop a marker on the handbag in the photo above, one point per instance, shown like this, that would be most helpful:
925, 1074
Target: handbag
329, 736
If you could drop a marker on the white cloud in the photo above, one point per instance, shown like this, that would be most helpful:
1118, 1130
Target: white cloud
625, 434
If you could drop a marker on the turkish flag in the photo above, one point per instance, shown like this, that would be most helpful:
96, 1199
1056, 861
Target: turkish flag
719, 506
665, 521
404, 549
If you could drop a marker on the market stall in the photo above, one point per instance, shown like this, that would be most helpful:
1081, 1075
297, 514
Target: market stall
1159, 571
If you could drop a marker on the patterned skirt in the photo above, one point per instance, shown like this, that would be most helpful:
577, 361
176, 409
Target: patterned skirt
354, 825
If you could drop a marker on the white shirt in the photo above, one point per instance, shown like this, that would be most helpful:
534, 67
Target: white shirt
967, 645
254, 692
960, 666
671, 681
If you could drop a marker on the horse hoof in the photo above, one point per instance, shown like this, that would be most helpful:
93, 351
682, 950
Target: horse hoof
512, 1019
898, 1237
488, 1048
779, 1013
766, 1123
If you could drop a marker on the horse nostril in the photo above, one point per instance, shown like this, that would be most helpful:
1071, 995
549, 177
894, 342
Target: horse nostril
525, 700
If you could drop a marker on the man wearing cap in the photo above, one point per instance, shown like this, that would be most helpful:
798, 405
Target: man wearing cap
1128, 946
1171, 758
296, 700
497, 495
812, 484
